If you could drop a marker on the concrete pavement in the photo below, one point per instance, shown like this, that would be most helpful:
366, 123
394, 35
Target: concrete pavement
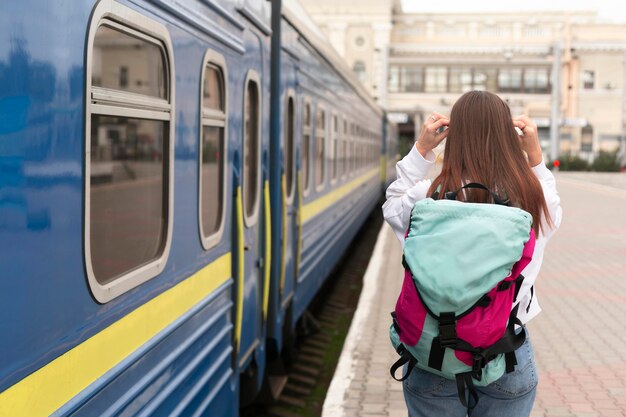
579, 338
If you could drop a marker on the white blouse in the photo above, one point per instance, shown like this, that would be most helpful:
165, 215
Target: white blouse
412, 186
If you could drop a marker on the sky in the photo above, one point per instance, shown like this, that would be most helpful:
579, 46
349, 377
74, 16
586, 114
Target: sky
610, 10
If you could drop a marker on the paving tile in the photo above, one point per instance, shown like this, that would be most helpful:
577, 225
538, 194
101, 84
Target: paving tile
580, 348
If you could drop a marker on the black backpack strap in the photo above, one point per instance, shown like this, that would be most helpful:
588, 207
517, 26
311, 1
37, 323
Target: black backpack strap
405, 264
451, 195
510, 360
447, 338
435, 195
532, 293
435, 359
405, 357
518, 286
394, 319
508, 343
465, 380
505, 285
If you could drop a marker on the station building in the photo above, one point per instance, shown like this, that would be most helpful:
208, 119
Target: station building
416, 63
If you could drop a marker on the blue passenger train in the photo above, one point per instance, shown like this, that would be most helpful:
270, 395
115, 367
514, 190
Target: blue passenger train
177, 180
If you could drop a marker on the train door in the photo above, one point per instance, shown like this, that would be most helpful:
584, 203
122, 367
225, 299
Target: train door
289, 191
252, 217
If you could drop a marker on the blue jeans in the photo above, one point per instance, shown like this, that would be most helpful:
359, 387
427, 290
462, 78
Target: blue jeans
513, 395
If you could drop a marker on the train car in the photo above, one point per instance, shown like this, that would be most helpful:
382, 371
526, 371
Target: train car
177, 180
389, 155
326, 161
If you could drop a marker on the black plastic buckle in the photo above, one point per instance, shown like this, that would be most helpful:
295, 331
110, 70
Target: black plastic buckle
447, 335
477, 366
447, 329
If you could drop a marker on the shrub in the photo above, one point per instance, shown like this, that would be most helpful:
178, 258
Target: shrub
606, 162
570, 162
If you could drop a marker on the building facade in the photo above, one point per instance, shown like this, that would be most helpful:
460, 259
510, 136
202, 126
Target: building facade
424, 62
360, 31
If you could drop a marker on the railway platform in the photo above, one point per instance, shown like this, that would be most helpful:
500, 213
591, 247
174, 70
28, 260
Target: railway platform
579, 338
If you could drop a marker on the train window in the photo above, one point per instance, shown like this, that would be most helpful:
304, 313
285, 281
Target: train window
362, 146
129, 119
371, 148
125, 61
212, 152
333, 148
344, 149
306, 147
358, 148
373, 155
368, 148
352, 151
366, 145
320, 138
251, 147
289, 148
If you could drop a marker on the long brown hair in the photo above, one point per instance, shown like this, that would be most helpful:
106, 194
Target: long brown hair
483, 146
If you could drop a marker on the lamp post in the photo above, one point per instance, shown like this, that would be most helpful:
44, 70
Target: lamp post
622, 137
555, 110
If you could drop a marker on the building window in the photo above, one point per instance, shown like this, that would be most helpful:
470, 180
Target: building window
393, 85
134, 56
451, 30
439, 79
406, 79
306, 146
128, 193
494, 30
212, 150
412, 79
535, 30
359, 41
359, 70
460, 80
289, 148
436, 80
484, 79
586, 139
510, 80
251, 148
589, 80
123, 77
320, 138
536, 80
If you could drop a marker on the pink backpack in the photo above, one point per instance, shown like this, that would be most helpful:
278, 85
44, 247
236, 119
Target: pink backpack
454, 315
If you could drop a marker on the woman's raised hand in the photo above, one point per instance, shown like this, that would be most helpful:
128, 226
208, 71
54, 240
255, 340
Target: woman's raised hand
529, 139
429, 138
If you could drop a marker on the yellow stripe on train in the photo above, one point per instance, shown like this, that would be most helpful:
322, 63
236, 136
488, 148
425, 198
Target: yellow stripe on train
315, 207
47, 389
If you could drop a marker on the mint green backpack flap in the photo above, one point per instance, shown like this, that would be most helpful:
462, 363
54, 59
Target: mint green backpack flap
458, 251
